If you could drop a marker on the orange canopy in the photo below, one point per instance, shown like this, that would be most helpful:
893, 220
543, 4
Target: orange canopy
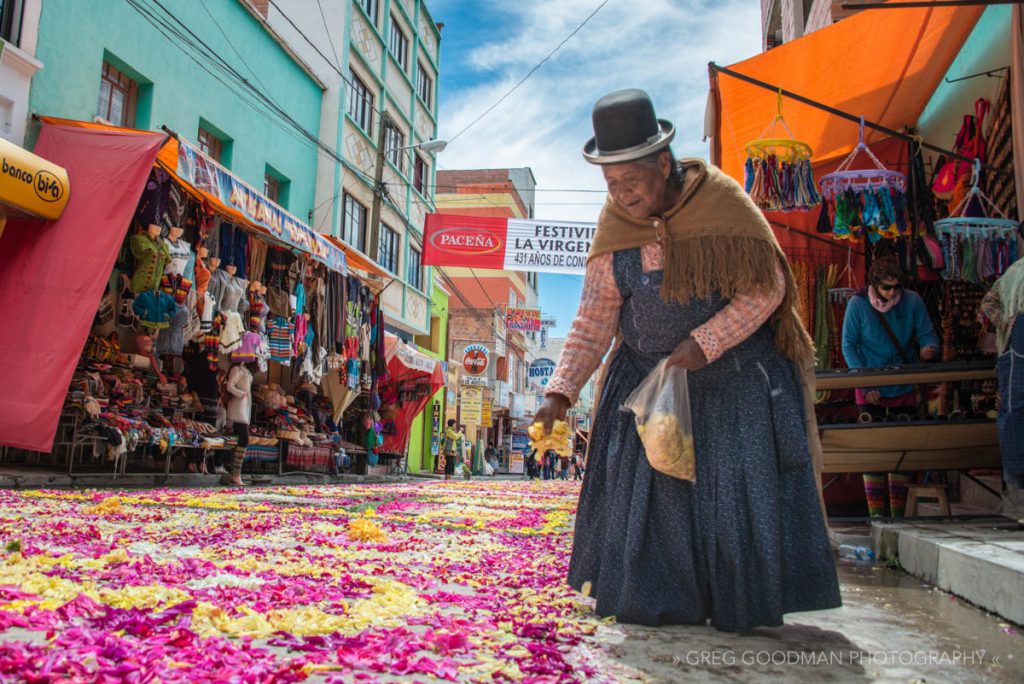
883, 65
358, 261
168, 159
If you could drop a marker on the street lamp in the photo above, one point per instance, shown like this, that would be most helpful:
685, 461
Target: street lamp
378, 177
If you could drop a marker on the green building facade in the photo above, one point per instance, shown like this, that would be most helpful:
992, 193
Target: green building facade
212, 71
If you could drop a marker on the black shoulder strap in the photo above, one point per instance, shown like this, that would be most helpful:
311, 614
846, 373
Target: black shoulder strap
892, 336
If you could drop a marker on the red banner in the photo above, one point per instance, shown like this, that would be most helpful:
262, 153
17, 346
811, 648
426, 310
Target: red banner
53, 274
507, 243
474, 241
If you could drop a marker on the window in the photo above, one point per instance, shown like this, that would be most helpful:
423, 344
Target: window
808, 5
387, 251
370, 7
399, 45
10, 20
119, 95
419, 175
424, 85
354, 226
210, 144
276, 186
414, 268
394, 141
360, 102
271, 188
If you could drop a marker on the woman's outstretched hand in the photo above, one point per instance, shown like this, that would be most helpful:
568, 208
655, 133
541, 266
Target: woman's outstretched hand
554, 408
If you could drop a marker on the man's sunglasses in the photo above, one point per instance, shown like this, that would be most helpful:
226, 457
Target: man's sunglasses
897, 286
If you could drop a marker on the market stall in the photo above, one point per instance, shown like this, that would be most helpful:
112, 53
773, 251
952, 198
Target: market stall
910, 155
195, 274
412, 379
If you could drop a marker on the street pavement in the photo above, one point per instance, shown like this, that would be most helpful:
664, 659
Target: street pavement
414, 581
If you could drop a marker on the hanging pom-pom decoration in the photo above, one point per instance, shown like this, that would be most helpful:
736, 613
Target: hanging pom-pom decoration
778, 174
877, 193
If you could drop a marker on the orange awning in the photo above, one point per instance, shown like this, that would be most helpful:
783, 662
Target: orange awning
358, 261
168, 160
883, 65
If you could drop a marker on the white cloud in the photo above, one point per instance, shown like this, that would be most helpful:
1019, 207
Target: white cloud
658, 45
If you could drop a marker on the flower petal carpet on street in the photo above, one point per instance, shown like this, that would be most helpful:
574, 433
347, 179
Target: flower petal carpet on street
453, 581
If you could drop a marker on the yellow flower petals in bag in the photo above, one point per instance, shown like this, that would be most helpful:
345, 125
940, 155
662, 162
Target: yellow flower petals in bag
661, 407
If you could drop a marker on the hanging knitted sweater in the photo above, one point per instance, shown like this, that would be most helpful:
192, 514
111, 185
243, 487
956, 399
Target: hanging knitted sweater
258, 312
176, 286
151, 256
280, 332
231, 334
154, 309
202, 284
228, 290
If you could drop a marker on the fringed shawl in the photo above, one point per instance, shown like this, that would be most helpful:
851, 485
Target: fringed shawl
713, 240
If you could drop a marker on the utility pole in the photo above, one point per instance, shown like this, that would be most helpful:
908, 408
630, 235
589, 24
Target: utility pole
378, 187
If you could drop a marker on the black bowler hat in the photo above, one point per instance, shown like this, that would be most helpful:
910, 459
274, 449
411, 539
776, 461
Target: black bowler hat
626, 129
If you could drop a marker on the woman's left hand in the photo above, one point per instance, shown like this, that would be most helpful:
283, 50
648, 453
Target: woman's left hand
928, 353
688, 355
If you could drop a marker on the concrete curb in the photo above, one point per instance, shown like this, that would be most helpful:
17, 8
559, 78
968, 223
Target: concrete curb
982, 563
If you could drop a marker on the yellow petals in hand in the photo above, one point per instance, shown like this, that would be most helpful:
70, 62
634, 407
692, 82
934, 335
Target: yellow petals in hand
558, 440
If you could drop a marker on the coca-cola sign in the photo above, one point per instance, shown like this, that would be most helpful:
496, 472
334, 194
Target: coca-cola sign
476, 358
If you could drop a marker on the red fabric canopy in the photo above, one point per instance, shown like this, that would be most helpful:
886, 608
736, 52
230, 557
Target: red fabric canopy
406, 364
52, 274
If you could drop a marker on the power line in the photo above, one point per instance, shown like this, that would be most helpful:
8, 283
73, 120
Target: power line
234, 49
310, 42
191, 39
529, 73
163, 28
473, 311
330, 41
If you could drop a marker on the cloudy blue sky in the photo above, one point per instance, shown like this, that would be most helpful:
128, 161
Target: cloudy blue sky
662, 46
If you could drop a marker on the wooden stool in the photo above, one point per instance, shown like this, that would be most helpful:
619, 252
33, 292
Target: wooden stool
934, 491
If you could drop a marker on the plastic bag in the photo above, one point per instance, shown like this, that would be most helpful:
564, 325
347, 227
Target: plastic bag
661, 408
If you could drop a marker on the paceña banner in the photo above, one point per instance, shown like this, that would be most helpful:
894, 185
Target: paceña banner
507, 243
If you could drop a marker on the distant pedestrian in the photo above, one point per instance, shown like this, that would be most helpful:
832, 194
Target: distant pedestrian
577, 467
549, 465
491, 457
452, 452
531, 465
563, 471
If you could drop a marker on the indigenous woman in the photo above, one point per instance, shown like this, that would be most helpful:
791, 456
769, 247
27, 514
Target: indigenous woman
684, 266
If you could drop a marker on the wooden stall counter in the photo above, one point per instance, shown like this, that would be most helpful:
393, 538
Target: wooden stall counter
932, 444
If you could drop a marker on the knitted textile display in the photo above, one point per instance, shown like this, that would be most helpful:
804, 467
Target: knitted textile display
780, 184
866, 203
778, 174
